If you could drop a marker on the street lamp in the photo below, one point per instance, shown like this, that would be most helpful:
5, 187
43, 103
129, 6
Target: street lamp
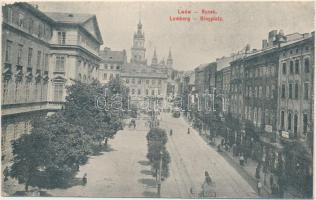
159, 179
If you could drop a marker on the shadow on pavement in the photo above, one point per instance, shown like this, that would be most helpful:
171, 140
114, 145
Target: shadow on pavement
146, 172
144, 162
31, 194
149, 194
148, 182
99, 150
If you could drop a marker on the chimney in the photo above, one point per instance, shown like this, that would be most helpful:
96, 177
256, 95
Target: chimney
272, 36
264, 44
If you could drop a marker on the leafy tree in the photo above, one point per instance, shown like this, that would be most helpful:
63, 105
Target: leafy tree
50, 155
86, 106
157, 152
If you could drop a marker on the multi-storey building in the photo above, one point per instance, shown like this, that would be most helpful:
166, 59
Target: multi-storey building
41, 53
25, 70
226, 89
111, 64
74, 51
145, 81
295, 102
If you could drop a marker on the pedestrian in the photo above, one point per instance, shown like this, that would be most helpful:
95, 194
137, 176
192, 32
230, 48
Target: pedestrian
271, 180
222, 141
258, 172
170, 132
189, 130
246, 157
219, 148
259, 186
241, 160
84, 179
6, 173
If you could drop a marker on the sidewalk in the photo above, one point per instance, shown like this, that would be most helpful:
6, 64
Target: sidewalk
248, 170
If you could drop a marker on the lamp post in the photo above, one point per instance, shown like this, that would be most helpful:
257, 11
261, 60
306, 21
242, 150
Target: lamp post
159, 179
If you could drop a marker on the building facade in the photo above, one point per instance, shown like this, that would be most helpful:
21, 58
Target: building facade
41, 54
145, 82
111, 64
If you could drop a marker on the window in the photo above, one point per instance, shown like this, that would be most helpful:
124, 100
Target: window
138, 92
80, 76
290, 90
295, 124
29, 57
139, 81
20, 51
117, 75
284, 68
60, 64
127, 81
289, 121
46, 62
58, 91
282, 119
61, 37
133, 91
105, 76
296, 91
158, 92
133, 80
31, 23
306, 90
283, 91
20, 19
153, 82
40, 30
147, 81
268, 91
112, 66
260, 91
159, 82
305, 123
111, 76
152, 92
117, 67
297, 66
105, 66
10, 15
8, 51
291, 67
147, 92
306, 65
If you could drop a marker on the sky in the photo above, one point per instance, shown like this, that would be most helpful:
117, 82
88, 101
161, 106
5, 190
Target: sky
195, 42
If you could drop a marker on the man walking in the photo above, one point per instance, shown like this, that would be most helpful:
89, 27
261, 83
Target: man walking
259, 186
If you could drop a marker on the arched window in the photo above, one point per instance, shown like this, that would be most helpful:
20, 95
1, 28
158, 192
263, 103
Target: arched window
295, 124
289, 121
80, 77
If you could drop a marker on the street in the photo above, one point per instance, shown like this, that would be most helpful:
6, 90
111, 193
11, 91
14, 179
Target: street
123, 171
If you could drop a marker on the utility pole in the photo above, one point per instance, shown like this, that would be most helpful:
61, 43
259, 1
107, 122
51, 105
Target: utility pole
159, 179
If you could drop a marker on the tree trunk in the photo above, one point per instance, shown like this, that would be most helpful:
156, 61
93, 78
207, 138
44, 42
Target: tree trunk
27, 184
106, 141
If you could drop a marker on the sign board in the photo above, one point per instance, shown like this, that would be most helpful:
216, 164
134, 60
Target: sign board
268, 128
285, 134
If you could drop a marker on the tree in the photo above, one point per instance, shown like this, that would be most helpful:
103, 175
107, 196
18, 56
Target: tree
50, 154
87, 106
157, 152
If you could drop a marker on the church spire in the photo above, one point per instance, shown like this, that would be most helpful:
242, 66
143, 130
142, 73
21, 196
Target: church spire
169, 60
154, 60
